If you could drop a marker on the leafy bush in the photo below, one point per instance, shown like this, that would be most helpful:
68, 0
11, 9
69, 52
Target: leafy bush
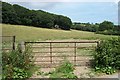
65, 70
107, 70
107, 56
65, 67
17, 64
85, 27
19, 73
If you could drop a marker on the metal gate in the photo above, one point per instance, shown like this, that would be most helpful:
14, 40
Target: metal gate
49, 54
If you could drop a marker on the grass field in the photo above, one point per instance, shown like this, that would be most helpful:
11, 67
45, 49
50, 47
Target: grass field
29, 33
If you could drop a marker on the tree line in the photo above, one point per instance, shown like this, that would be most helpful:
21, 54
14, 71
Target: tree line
105, 27
18, 15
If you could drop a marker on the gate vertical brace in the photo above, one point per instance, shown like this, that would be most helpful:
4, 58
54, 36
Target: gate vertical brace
13, 42
51, 52
75, 54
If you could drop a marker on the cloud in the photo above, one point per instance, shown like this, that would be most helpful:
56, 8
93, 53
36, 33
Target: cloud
61, 1
49, 4
43, 5
37, 5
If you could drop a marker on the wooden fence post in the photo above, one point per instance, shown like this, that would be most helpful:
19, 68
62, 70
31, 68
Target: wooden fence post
98, 43
21, 47
13, 42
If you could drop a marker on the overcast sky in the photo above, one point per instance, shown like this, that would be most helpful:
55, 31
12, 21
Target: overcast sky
93, 12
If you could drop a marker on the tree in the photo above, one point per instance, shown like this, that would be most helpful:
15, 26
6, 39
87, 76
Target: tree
63, 22
8, 14
106, 25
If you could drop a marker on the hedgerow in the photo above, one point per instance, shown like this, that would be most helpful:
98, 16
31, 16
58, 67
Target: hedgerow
107, 56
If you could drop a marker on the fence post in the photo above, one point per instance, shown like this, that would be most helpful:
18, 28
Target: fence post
75, 54
21, 47
51, 52
98, 43
13, 42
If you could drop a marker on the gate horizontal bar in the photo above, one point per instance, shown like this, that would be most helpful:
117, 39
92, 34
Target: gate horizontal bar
92, 41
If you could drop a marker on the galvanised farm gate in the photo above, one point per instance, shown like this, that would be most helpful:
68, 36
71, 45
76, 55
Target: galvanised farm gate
49, 54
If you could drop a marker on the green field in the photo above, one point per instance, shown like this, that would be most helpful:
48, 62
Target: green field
29, 33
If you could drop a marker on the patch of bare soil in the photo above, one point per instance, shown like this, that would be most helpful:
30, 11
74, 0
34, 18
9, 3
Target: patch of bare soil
81, 72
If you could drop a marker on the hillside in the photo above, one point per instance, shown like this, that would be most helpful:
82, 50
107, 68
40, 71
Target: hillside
16, 14
29, 33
